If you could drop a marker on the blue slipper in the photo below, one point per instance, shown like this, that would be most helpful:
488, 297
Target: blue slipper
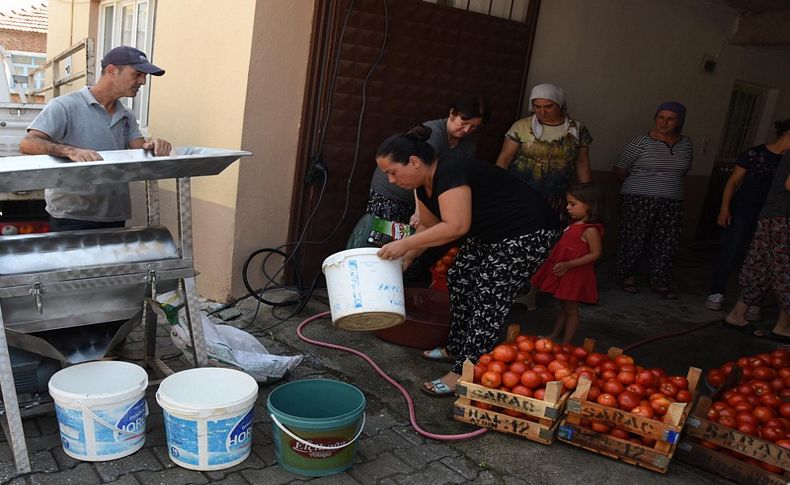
439, 354
437, 389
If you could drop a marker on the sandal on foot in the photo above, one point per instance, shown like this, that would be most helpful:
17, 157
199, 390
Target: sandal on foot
439, 354
748, 329
665, 292
629, 287
437, 389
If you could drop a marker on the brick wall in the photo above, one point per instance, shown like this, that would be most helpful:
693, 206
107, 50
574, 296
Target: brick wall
17, 40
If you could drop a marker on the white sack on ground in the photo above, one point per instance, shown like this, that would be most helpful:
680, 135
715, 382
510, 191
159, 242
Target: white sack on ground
225, 345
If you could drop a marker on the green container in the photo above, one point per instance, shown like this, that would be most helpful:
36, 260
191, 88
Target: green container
318, 414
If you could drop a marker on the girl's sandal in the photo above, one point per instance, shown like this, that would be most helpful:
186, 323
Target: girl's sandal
629, 287
439, 354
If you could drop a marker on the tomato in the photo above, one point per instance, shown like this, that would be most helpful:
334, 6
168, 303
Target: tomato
712, 414
562, 373
623, 359
785, 394
510, 378
595, 391
727, 368
649, 442
735, 398
571, 381
580, 353
599, 427
716, 377
596, 359
745, 389
646, 379
660, 405
546, 376
521, 390
491, 379
771, 400
606, 399
497, 366
668, 389
627, 400
763, 373
680, 382
746, 417
453, 251
480, 369
636, 389
627, 368
526, 346
539, 393
683, 395
544, 345
784, 443
708, 444
777, 384
504, 352
626, 377
728, 421
784, 410
644, 410
556, 364
523, 357
481, 405
612, 387
659, 372
779, 362
620, 433
531, 379
485, 359
440, 268
772, 468
609, 365
772, 433
741, 407
518, 367
748, 428
764, 413
543, 358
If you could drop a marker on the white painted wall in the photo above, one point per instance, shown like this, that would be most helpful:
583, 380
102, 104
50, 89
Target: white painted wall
618, 59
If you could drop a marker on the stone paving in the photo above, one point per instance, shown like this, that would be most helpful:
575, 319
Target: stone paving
390, 451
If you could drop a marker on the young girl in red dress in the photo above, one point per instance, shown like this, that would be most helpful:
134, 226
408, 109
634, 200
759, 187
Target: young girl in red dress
568, 272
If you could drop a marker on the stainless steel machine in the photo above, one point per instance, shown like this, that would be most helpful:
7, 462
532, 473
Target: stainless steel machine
73, 295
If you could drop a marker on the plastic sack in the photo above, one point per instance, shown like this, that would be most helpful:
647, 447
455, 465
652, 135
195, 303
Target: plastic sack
225, 345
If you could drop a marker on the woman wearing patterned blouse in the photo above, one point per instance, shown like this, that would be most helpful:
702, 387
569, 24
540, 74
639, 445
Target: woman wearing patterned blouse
548, 148
652, 167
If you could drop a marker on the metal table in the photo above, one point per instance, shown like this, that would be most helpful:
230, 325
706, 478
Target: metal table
35, 293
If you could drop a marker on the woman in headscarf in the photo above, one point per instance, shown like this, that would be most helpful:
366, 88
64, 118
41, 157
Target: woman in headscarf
652, 167
548, 148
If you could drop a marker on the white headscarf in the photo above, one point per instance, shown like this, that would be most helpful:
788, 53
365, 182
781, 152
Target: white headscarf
555, 94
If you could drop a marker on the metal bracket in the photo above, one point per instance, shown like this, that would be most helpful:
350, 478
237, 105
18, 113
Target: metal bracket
150, 279
36, 290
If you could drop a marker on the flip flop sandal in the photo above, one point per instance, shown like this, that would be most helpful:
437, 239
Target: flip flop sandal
748, 329
439, 354
440, 389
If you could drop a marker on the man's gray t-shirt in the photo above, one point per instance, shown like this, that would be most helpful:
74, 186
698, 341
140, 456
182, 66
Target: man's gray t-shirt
77, 119
465, 148
777, 204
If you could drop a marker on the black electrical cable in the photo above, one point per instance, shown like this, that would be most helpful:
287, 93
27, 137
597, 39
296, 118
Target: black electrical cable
303, 295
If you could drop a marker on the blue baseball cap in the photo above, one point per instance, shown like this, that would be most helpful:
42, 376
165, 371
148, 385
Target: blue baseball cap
129, 56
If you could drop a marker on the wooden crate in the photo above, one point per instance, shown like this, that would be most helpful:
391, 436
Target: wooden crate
546, 412
699, 427
726, 466
666, 431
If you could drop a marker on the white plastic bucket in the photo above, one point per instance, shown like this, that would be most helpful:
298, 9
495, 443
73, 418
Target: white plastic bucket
208, 417
101, 409
365, 291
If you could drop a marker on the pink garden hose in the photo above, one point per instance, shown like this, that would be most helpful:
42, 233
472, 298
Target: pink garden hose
393, 382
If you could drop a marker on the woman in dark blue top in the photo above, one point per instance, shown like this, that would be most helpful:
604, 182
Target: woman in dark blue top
509, 227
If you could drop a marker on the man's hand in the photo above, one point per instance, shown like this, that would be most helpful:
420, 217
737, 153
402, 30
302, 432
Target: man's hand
83, 155
159, 146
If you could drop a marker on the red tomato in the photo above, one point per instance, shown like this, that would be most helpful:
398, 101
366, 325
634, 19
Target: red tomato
544, 345
620, 433
772, 433
728, 421
539, 393
531, 379
660, 405
596, 359
480, 369
636, 389
518, 367
708, 444
521, 390
599, 427
546, 376
580, 353
485, 359
526, 346
510, 378
764, 413
772, 468
784, 410
542, 358
571, 381
683, 395
716, 377
612, 387
606, 399
491, 379
440, 268
771, 400
745, 389
447, 260
497, 366
680, 382
626, 377
554, 365
643, 410
668, 389
481, 405
627, 400
453, 251
763, 373
595, 391
562, 373
504, 352
623, 359
646, 379
748, 428
609, 365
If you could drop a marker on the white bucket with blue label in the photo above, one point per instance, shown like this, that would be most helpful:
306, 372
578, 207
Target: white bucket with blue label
101, 409
208, 417
365, 291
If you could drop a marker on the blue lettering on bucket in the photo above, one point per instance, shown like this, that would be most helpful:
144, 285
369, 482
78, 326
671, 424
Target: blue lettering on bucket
241, 435
133, 421
129, 417
229, 440
356, 295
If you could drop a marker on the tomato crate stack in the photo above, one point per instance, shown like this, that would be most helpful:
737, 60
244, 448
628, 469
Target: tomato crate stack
534, 418
742, 432
645, 434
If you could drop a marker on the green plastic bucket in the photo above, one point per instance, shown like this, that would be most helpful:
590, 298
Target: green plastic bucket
316, 424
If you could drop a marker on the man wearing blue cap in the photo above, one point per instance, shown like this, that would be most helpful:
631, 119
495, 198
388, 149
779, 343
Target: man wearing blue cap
78, 125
